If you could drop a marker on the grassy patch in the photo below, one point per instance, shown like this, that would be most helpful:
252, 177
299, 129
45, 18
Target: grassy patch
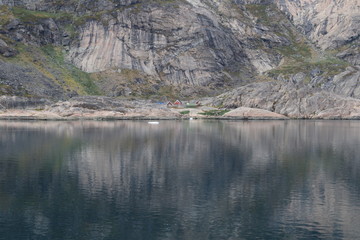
298, 54
168, 91
297, 50
4, 89
215, 112
259, 10
5, 15
73, 77
30, 16
185, 112
50, 61
329, 66
137, 7
9, 90
166, 2
127, 83
97, 16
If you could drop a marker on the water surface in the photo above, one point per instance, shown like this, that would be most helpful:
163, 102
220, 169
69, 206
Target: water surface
180, 180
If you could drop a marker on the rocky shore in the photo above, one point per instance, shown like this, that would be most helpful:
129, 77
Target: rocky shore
89, 107
107, 108
296, 101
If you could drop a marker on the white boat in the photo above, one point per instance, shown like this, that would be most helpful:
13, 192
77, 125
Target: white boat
153, 123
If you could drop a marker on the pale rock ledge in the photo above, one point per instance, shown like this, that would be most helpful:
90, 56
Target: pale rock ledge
253, 113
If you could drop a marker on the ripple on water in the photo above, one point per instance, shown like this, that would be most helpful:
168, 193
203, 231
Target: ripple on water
211, 180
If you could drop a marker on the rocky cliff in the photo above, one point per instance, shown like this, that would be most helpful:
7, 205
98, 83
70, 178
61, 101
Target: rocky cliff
188, 48
330, 24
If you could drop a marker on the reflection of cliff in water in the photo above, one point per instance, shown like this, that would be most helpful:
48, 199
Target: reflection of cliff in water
177, 176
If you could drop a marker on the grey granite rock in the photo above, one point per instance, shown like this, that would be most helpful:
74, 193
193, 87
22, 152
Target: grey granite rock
5, 50
14, 102
199, 44
290, 100
28, 81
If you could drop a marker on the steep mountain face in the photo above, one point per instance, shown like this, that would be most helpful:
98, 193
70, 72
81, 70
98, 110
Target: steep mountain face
330, 24
196, 46
192, 51
181, 43
79, 6
176, 48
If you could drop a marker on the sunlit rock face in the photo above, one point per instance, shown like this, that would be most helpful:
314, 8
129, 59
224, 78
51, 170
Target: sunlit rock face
195, 46
197, 42
190, 42
194, 50
329, 23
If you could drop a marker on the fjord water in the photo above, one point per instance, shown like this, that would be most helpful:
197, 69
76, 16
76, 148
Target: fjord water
180, 180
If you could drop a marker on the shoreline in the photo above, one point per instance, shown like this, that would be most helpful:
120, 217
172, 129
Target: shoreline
112, 109
51, 117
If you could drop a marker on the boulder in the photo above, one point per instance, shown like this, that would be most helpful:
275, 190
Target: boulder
253, 113
7, 51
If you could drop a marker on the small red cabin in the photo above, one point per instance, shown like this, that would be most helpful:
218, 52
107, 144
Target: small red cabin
177, 102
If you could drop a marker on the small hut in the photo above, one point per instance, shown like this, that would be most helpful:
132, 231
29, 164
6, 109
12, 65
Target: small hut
169, 104
177, 103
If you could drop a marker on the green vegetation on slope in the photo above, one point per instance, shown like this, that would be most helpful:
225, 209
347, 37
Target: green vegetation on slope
5, 15
50, 61
73, 76
185, 112
299, 55
215, 112
298, 47
30, 16
330, 66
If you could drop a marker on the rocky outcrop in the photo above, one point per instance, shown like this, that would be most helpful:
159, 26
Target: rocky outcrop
256, 101
253, 113
328, 23
178, 43
40, 31
331, 24
83, 108
24, 81
5, 50
351, 54
193, 51
195, 47
215, 44
332, 77
79, 6
14, 102
346, 83
291, 100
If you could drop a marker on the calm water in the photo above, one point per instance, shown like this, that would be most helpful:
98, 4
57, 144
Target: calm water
180, 180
